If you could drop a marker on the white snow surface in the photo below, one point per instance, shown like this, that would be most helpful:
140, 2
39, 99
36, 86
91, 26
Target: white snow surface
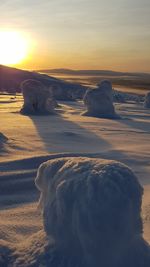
33, 140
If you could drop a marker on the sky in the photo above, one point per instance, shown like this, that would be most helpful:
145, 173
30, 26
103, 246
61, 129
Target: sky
81, 34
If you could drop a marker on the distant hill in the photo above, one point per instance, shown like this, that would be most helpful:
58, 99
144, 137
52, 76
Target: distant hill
94, 72
11, 78
134, 80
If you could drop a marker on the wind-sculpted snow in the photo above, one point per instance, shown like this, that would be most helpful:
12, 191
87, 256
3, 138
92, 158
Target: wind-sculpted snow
91, 209
91, 213
37, 98
122, 97
99, 101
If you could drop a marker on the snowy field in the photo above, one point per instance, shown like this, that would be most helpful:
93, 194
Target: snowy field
30, 141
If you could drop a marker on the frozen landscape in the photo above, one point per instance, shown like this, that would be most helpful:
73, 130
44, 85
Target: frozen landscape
27, 141
74, 133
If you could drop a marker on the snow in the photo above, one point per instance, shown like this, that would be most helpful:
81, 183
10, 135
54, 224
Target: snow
33, 140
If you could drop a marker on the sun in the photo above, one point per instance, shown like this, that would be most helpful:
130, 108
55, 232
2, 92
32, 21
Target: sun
13, 47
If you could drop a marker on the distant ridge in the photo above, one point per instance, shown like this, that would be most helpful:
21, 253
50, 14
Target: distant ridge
11, 78
94, 72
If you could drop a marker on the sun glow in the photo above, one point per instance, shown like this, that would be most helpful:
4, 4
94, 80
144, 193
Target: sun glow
13, 47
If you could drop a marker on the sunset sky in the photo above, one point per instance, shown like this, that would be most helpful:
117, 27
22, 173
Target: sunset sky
81, 34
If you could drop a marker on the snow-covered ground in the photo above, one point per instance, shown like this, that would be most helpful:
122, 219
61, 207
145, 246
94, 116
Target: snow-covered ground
32, 139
